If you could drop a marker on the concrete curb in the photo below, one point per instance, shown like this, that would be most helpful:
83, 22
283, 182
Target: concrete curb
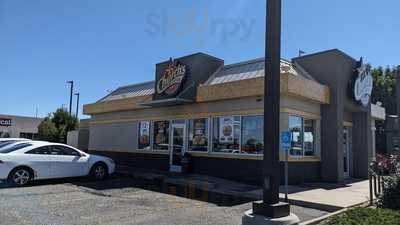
313, 205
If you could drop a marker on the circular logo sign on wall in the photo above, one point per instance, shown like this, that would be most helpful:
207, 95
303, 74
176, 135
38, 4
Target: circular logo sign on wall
362, 84
171, 80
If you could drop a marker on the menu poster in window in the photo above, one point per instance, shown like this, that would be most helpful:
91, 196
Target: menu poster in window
226, 130
161, 132
199, 137
145, 133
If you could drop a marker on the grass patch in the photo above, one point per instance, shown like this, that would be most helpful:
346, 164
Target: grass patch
366, 216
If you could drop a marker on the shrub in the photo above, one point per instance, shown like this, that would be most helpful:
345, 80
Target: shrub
366, 216
389, 167
384, 165
390, 197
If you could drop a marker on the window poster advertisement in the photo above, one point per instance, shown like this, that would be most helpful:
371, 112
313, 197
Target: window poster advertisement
226, 130
145, 133
161, 132
199, 137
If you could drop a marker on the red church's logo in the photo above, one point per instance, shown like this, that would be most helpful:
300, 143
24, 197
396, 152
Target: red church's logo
171, 80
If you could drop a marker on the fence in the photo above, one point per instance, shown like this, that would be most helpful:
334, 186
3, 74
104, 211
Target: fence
376, 186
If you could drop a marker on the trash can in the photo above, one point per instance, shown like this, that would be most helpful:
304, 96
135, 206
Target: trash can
186, 160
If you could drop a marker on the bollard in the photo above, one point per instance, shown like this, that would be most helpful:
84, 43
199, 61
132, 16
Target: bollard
371, 194
379, 184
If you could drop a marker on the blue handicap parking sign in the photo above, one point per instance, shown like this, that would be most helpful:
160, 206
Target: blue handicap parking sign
286, 140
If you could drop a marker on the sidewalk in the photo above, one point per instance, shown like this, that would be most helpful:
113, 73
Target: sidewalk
347, 194
322, 196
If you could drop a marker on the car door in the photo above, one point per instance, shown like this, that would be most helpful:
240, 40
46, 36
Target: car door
38, 160
66, 162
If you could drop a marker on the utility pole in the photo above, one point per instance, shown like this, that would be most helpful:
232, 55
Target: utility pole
77, 104
301, 52
71, 82
270, 210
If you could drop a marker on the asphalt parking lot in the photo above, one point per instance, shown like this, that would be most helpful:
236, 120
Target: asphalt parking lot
118, 200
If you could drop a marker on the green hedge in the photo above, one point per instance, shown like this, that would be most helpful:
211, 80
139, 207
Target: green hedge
366, 216
390, 197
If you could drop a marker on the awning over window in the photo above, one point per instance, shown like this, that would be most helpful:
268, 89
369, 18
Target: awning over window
168, 102
182, 98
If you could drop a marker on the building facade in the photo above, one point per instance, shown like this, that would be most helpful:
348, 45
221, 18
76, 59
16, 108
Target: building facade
214, 112
19, 126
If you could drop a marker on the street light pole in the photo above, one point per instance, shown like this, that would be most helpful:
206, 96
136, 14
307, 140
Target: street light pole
271, 207
77, 104
71, 82
272, 102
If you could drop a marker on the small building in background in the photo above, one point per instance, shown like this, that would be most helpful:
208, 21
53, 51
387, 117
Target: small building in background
392, 134
392, 126
19, 126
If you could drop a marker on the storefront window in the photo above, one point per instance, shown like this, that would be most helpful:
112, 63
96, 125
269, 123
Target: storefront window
198, 135
161, 135
226, 134
303, 136
252, 134
144, 135
296, 129
309, 137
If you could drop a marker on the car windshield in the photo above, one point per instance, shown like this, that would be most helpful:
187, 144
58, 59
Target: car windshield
14, 147
5, 143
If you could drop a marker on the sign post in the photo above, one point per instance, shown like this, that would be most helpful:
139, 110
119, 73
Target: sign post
286, 144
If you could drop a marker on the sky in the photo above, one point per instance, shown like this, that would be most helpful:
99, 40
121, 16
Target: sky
103, 44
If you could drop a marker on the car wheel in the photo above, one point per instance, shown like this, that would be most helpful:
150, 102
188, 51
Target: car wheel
20, 176
99, 171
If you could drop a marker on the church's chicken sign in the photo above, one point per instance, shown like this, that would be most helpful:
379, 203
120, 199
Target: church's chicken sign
172, 79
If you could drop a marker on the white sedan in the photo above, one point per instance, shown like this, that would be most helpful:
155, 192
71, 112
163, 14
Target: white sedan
28, 161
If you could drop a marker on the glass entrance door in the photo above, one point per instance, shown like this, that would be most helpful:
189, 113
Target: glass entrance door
346, 152
178, 137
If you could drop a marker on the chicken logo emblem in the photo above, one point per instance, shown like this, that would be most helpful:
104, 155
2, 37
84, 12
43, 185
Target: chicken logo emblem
362, 84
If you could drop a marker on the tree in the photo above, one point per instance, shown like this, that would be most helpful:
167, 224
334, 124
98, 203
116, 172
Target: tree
56, 126
48, 131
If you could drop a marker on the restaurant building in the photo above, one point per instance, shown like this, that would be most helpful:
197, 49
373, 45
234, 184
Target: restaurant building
214, 112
